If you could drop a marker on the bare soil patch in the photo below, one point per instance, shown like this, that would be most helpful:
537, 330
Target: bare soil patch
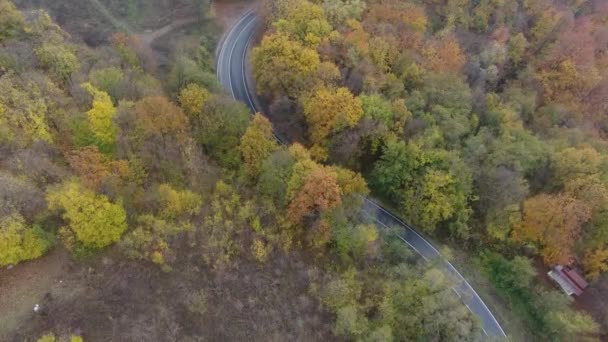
26, 285
110, 299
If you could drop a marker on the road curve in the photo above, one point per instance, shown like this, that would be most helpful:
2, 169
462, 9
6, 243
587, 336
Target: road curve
232, 72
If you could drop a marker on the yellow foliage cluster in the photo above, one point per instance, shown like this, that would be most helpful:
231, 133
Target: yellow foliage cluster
24, 108
19, 242
176, 204
257, 144
329, 111
101, 115
95, 221
284, 65
192, 98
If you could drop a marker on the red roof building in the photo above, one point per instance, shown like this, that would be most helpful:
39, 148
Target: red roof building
568, 279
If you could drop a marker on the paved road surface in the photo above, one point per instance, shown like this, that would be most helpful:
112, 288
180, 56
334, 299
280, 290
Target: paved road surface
232, 72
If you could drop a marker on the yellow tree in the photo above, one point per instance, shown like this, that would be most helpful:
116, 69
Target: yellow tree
11, 20
567, 82
92, 219
301, 168
553, 223
328, 111
192, 98
24, 110
431, 199
101, 115
351, 183
571, 163
19, 242
305, 22
282, 65
595, 262
257, 144
589, 189
176, 204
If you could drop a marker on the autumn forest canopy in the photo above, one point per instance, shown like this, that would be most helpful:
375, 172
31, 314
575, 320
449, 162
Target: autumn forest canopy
481, 123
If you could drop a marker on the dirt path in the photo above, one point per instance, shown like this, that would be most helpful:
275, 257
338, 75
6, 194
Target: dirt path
119, 24
147, 38
26, 285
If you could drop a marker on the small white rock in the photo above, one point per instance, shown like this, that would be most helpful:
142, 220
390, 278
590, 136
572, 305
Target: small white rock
36, 307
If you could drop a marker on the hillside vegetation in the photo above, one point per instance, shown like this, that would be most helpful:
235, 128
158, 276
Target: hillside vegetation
481, 122
184, 219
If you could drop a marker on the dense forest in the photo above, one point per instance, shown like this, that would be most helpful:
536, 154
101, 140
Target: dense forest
101, 157
479, 122
482, 122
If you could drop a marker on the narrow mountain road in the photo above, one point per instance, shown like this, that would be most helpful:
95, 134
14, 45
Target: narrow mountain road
233, 73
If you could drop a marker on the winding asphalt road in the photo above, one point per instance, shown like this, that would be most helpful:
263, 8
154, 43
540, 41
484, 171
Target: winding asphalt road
233, 73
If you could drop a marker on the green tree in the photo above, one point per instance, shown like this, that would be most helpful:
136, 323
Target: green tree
108, 80
356, 241
408, 305
339, 11
517, 47
93, 219
449, 103
19, 241
58, 58
571, 325
343, 291
11, 20
350, 322
378, 108
431, 186
513, 280
219, 127
275, 173
185, 70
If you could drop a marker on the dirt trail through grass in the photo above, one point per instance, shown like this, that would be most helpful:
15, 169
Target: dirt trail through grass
146, 37
26, 285
118, 24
